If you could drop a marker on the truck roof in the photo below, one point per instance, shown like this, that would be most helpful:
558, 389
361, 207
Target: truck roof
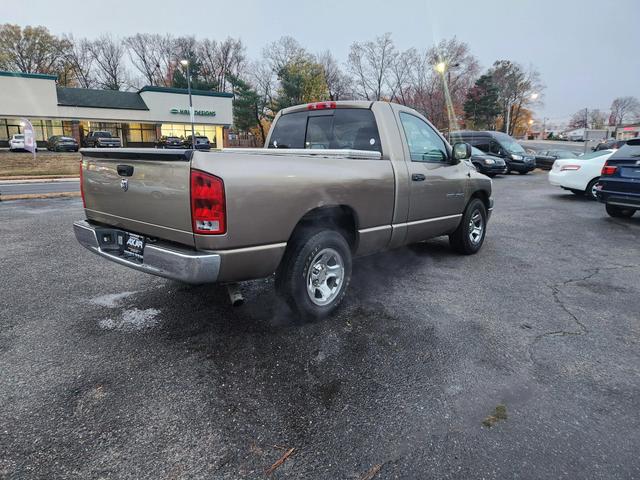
329, 105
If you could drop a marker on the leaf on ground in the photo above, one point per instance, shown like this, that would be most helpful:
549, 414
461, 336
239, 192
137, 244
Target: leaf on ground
372, 472
280, 461
499, 414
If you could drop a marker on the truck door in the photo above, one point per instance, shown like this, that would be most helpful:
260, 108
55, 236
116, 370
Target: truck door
437, 188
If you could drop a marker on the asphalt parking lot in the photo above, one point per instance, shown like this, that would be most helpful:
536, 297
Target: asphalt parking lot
107, 373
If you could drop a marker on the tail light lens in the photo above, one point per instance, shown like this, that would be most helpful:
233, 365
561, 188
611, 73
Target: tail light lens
564, 168
84, 205
207, 204
608, 169
321, 106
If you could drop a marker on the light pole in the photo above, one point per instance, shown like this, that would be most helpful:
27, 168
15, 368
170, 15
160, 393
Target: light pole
441, 68
185, 63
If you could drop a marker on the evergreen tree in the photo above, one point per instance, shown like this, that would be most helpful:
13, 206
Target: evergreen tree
481, 107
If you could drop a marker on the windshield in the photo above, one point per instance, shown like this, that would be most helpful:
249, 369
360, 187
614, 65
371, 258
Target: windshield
477, 151
19, 137
102, 134
512, 146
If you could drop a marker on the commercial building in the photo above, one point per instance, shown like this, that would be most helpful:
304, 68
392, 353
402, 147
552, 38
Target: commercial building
138, 118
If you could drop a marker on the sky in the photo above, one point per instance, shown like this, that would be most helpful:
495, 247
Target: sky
586, 51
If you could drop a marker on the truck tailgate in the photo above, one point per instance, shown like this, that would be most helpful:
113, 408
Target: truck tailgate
141, 191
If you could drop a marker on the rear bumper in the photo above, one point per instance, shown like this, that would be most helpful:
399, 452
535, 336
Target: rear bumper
169, 261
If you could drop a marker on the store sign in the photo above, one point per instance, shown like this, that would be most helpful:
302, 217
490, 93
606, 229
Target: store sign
198, 113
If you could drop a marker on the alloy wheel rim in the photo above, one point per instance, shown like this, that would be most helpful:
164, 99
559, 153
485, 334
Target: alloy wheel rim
594, 190
325, 277
476, 227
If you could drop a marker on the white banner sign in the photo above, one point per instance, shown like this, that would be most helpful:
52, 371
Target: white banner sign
29, 137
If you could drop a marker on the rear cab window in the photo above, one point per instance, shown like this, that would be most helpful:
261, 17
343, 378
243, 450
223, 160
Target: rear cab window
341, 128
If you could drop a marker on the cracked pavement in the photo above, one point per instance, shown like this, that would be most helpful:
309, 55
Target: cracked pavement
107, 373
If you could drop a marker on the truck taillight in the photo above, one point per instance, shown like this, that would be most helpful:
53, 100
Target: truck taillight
321, 106
84, 205
608, 169
207, 204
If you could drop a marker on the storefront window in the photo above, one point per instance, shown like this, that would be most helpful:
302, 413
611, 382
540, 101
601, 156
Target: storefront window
184, 130
141, 132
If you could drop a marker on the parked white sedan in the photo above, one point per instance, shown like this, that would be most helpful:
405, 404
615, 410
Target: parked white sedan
579, 175
16, 142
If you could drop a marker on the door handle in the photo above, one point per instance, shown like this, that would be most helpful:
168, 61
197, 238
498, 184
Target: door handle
418, 177
125, 170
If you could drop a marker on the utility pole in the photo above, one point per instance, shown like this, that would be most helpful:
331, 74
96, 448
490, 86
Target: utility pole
586, 125
191, 113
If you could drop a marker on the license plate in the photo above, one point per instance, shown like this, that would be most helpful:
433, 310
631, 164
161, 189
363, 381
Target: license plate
133, 245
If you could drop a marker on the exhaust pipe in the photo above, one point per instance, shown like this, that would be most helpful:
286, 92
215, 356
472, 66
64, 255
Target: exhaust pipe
235, 295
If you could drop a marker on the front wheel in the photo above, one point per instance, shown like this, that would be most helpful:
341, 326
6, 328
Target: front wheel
469, 236
315, 273
618, 212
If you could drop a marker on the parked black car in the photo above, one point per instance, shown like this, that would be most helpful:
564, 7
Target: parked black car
619, 186
60, 143
610, 144
169, 142
490, 165
501, 145
202, 143
545, 158
101, 139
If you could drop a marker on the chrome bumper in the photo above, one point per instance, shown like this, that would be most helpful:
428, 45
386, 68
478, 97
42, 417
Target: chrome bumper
184, 265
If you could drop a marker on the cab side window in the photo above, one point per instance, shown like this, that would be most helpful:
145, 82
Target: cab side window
425, 145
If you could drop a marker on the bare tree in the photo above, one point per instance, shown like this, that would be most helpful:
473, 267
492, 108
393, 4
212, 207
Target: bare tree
283, 51
580, 119
219, 60
338, 83
404, 75
30, 49
624, 108
597, 119
108, 56
145, 53
80, 60
370, 64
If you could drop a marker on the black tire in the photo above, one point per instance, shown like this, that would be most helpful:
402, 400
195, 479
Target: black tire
294, 272
523, 172
618, 212
460, 240
590, 192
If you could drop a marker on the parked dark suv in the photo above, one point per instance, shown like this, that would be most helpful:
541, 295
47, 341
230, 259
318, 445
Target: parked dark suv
101, 139
60, 143
619, 186
501, 145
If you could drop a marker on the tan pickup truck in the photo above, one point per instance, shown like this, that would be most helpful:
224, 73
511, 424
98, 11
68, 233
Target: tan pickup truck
335, 180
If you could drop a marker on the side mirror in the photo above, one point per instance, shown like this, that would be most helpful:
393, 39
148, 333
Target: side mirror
461, 151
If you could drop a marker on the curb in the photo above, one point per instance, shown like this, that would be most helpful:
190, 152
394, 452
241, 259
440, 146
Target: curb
30, 196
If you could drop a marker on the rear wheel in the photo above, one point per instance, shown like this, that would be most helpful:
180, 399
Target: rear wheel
315, 272
618, 212
469, 236
591, 191
523, 172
